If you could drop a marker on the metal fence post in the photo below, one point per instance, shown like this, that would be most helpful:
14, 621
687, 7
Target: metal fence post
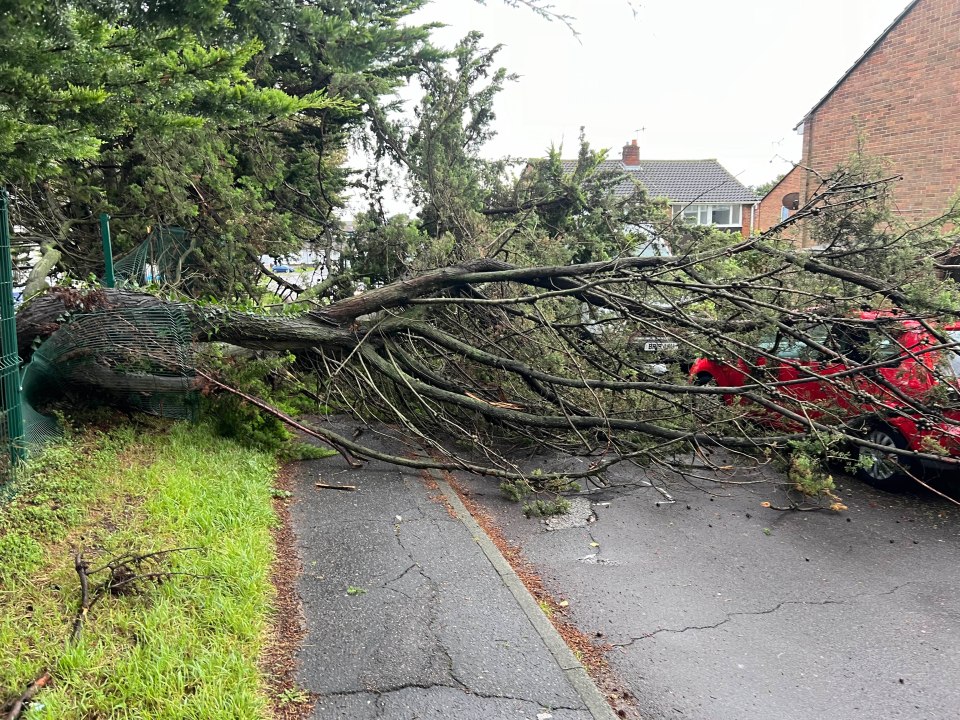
10, 371
108, 278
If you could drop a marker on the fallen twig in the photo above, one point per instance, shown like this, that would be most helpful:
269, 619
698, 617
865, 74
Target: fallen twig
328, 486
32, 689
796, 508
80, 565
123, 573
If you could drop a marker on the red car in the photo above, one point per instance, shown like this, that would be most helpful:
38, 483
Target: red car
889, 363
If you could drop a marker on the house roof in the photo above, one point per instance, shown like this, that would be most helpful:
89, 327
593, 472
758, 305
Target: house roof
859, 61
681, 181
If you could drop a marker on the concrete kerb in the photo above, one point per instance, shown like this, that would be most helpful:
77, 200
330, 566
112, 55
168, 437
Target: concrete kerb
574, 671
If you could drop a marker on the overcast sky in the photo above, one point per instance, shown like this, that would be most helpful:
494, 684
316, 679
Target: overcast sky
725, 79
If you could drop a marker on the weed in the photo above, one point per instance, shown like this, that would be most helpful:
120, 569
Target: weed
353, 590
293, 696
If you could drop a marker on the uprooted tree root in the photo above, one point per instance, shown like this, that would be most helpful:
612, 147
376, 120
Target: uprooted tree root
124, 574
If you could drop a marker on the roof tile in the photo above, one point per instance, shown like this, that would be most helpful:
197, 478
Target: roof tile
682, 181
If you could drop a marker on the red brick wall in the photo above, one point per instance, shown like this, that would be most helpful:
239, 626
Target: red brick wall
747, 228
768, 214
903, 101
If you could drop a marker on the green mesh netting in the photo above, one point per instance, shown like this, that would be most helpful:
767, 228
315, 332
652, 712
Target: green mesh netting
9, 374
158, 259
137, 358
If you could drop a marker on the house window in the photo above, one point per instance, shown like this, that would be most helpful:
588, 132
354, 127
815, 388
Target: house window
724, 216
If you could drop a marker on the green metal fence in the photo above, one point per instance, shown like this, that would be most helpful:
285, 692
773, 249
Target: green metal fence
11, 416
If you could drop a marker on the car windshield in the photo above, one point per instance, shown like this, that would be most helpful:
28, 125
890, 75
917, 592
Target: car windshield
789, 348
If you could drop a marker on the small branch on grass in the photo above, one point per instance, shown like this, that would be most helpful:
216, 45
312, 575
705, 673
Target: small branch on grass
80, 565
124, 572
21, 702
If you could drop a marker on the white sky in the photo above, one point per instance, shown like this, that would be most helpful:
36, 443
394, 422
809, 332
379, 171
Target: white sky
725, 79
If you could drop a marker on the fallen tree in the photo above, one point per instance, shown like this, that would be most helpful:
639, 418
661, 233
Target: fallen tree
499, 355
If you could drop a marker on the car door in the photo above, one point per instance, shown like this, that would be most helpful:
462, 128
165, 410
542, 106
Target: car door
911, 373
801, 365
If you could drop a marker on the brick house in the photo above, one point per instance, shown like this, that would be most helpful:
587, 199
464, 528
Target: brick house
901, 102
782, 199
702, 192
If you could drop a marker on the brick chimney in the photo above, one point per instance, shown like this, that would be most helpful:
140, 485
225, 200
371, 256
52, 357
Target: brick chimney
631, 153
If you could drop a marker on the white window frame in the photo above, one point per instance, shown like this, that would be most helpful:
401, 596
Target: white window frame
704, 211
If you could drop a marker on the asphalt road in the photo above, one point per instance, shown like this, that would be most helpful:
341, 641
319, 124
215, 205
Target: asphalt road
408, 615
720, 609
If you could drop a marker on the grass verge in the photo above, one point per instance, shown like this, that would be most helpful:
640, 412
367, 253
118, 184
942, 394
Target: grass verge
184, 648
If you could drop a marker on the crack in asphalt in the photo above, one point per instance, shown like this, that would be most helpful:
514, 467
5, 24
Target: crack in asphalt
381, 693
432, 614
768, 611
386, 585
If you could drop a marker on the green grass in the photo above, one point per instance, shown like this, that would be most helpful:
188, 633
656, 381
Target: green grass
186, 648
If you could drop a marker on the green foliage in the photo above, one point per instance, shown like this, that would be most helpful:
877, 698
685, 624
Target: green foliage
303, 451
807, 468
450, 180
578, 212
516, 490
266, 377
229, 119
521, 489
237, 419
546, 508
380, 251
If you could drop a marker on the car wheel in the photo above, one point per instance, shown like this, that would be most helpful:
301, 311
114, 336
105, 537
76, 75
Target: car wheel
883, 470
704, 379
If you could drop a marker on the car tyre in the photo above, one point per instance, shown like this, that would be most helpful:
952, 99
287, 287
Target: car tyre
703, 379
886, 471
